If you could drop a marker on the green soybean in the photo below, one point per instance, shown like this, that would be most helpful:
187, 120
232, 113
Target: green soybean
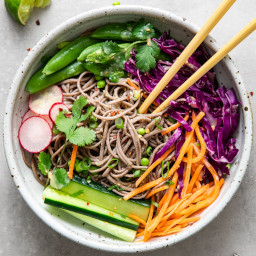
101, 84
40, 81
144, 161
119, 123
141, 131
68, 54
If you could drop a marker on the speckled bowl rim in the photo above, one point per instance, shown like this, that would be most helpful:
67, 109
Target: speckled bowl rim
9, 150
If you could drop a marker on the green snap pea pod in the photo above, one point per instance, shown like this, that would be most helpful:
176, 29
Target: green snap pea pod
114, 31
97, 48
96, 69
68, 54
88, 50
40, 81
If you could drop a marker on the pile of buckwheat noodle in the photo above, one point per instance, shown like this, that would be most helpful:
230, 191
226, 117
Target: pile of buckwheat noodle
114, 101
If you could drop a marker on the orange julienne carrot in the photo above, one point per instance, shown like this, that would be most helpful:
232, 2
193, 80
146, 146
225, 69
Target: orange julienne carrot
175, 126
161, 203
188, 171
143, 188
210, 199
155, 164
132, 84
138, 219
194, 178
203, 147
153, 192
72, 162
164, 207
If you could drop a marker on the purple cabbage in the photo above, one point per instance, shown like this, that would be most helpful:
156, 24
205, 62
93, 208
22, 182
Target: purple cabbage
169, 143
220, 105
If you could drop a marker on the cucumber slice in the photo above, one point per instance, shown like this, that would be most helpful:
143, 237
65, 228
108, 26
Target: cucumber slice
99, 195
115, 230
62, 200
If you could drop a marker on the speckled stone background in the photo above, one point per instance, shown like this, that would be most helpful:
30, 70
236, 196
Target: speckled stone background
233, 232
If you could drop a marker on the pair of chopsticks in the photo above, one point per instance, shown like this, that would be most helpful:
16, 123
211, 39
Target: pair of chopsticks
189, 50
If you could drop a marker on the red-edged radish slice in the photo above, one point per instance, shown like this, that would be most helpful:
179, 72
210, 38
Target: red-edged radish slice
30, 113
55, 110
35, 134
41, 102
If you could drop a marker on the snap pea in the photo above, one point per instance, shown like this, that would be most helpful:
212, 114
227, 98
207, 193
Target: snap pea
68, 54
40, 81
114, 31
88, 50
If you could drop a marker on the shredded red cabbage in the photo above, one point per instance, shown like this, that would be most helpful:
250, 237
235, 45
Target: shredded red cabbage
220, 105
169, 143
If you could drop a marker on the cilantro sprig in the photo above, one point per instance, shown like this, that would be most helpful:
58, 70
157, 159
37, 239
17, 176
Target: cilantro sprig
146, 56
80, 136
45, 163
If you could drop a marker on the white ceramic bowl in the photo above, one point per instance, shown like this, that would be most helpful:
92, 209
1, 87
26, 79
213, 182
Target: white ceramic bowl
31, 191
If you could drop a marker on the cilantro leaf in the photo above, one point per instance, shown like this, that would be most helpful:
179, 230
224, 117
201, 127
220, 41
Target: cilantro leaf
110, 47
82, 136
59, 178
45, 162
78, 106
89, 110
65, 124
143, 30
145, 56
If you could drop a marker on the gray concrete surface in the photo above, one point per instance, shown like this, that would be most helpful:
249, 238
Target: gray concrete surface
23, 233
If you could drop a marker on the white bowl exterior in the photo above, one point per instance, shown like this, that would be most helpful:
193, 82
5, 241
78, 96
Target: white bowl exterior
31, 191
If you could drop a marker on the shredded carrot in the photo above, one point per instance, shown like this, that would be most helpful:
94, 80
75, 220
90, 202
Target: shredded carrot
194, 178
72, 162
153, 192
161, 203
174, 199
144, 188
150, 216
175, 126
209, 200
158, 218
175, 222
202, 144
188, 171
132, 216
113, 113
171, 231
132, 84
155, 164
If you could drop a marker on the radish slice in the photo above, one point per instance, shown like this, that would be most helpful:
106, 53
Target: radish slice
41, 102
30, 113
35, 134
55, 110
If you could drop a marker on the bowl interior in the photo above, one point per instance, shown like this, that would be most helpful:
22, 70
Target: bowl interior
180, 29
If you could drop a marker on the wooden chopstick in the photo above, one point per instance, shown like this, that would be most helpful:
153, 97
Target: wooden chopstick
187, 52
238, 38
